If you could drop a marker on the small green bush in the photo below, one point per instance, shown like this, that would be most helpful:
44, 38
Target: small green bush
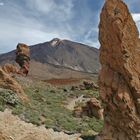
8, 97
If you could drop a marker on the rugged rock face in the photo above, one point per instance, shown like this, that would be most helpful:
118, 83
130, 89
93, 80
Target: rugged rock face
7, 82
120, 73
9, 68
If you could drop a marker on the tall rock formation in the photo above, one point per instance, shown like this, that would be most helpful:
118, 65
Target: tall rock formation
119, 78
23, 58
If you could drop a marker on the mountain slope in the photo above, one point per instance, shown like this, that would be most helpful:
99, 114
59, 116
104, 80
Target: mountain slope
62, 53
66, 53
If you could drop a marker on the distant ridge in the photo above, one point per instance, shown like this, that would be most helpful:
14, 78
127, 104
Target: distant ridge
63, 54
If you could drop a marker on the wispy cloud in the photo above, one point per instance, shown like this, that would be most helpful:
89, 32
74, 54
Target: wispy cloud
1, 3
91, 38
36, 21
19, 25
58, 10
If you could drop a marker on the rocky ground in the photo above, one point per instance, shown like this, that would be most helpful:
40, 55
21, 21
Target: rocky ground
12, 128
49, 104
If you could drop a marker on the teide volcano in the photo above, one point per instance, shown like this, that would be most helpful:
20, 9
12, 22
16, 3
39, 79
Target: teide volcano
59, 58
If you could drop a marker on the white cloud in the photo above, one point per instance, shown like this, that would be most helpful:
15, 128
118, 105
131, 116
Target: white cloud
37, 21
1, 4
16, 27
95, 44
90, 33
136, 17
12, 33
52, 8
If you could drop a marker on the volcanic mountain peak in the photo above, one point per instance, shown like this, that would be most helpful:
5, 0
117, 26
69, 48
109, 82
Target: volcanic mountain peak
55, 42
63, 53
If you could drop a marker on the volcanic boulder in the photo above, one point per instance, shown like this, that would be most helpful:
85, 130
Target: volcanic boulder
119, 78
94, 108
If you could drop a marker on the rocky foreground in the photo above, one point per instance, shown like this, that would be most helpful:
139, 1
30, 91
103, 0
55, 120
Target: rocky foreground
12, 128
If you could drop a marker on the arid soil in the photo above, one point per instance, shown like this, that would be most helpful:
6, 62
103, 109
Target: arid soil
12, 128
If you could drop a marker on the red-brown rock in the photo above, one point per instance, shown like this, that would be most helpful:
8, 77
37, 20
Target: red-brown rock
23, 58
7, 82
10, 69
90, 85
119, 78
94, 108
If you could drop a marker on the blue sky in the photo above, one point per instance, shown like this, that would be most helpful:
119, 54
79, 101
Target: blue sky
36, 21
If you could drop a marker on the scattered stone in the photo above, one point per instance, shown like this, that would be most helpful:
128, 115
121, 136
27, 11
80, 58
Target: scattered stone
52, 91
90, 85
65, 90
92, 108
85, 86
73, 88
78, 112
